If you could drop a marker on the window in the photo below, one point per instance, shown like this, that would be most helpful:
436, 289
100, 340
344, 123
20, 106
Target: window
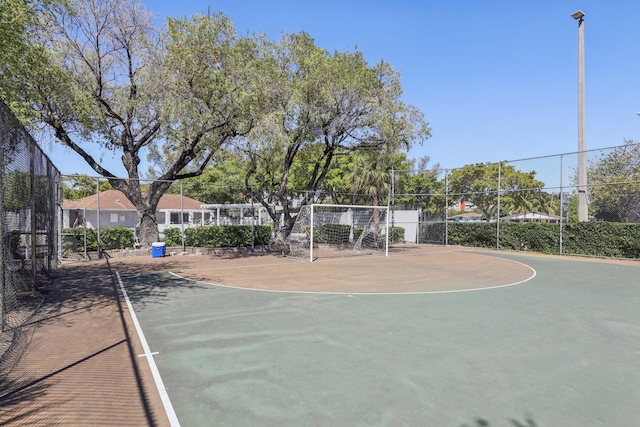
114, 217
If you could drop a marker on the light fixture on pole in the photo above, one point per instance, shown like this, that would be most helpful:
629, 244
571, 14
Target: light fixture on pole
583, 212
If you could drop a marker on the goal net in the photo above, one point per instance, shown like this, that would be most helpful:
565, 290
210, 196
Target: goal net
338, 231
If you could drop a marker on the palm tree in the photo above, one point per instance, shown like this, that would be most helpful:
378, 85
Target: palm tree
370, 176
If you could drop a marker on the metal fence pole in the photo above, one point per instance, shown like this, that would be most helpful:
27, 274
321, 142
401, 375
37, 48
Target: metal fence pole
181, 216
253, 223
393, 204
3, 289
32, 185
446, 207
97, 219
498, 212
561, 205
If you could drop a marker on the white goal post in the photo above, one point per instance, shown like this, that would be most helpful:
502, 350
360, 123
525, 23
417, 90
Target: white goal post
325, 230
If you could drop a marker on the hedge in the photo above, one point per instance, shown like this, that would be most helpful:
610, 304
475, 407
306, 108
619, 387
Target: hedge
110, 238
607, 239
218, 236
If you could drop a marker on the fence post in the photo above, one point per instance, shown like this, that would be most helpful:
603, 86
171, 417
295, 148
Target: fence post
32, 185
446, 207
561, 204
97, 221
181, 216
3, 292
393, 203
253, 223
498, 212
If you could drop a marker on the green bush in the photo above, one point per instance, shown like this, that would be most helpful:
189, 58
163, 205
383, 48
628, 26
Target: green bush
218, 236
397, 236
596, 238
333, 234
172, 237
110, 238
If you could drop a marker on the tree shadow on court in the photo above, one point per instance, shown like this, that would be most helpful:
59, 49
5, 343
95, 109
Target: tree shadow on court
89, 368
480, 422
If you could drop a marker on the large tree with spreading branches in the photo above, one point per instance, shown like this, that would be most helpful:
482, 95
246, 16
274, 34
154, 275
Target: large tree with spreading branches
325, 105
118, 82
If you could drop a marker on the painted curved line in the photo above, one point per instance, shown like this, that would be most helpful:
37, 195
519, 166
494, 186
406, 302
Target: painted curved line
533, 274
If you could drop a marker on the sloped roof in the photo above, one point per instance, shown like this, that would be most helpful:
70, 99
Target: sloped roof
530, 215
116, 200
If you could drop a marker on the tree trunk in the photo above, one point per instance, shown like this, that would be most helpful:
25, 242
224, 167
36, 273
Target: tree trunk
148, 228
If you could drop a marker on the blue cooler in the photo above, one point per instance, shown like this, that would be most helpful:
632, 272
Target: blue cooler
157, 249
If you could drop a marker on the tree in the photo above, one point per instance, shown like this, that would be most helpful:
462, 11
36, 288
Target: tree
478, 183
417, 186
118, 82
21, 58
614, 184
325, 105
80, 186
371, 177
221, 182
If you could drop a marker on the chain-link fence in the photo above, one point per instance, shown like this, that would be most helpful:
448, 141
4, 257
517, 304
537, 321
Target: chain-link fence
428, 206
29, 185
93, 211
490, 197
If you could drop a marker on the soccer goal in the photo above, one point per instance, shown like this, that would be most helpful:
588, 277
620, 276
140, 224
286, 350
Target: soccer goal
338, 231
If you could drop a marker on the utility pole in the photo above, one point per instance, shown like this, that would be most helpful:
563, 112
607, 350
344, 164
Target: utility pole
583, 212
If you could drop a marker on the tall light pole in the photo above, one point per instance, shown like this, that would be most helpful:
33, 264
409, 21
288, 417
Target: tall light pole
583, 212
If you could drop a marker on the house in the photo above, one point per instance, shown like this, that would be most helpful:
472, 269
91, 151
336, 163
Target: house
116, 210
466, 217
531, 217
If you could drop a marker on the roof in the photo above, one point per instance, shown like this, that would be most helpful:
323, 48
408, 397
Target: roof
116, 200
468, 214
531, 215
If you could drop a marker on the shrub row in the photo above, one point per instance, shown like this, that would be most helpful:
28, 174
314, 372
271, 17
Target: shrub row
218, 236
110, 238
608, 239
339, 234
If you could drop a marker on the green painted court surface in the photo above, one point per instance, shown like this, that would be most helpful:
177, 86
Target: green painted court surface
562, 349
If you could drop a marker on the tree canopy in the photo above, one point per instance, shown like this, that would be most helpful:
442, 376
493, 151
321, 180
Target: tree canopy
192, 93
478, 183
117, 81
324, 106
614, 184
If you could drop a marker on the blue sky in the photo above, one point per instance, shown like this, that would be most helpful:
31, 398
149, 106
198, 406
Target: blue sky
496, 80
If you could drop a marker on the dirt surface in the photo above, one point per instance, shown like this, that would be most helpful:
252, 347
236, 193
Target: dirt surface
407, 269
76, 363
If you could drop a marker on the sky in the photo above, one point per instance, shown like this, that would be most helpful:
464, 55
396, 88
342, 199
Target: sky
496, 80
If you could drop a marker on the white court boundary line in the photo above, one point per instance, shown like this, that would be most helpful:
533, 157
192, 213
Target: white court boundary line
534, 273
166, 402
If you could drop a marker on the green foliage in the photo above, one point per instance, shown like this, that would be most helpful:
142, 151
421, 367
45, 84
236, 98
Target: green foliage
222, 182
334, 234
82, 186
478, 183
173, 236
219, 236
476, 234
326, 106
599, 238
397, 236
614, 184
17, 191
110, 238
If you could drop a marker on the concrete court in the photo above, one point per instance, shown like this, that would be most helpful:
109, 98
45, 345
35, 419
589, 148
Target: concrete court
562, 349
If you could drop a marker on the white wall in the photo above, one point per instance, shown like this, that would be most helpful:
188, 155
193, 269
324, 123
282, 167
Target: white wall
409, 221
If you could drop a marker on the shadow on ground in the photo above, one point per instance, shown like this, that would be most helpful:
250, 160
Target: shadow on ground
76, 362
